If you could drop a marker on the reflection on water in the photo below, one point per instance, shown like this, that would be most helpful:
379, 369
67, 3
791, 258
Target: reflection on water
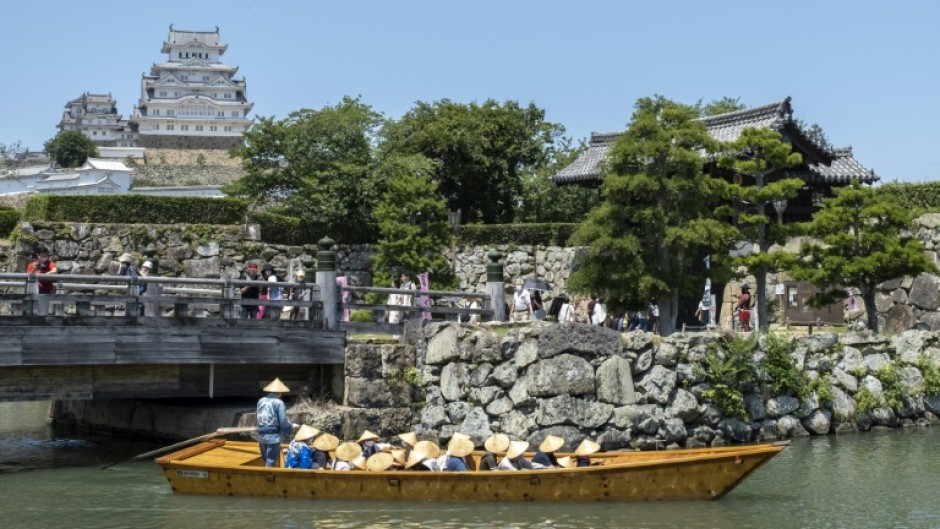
867, 481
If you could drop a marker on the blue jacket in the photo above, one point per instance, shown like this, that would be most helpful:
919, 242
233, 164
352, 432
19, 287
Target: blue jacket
455, 464
546, 460
299, 455
272, 419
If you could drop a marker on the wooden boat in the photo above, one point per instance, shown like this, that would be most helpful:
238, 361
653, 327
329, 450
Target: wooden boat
233, 468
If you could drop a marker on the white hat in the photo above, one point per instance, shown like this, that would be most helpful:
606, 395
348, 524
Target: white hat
147, 264
126, 258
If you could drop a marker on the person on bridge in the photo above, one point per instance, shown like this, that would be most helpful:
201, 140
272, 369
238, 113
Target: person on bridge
43, 265
272, 422
250, 291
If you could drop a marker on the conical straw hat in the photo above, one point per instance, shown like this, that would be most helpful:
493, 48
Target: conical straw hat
564, 462
348, 451
409, 437
367, 436
414, 458
359, 462
496, 443
306, 432
586, 448
516, 449
276, 386
551, 443
429, 448
459, 435
326, 442
460, 446
398, 455
379, 461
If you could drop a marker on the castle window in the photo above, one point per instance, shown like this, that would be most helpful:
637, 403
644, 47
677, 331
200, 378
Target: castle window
228, 128
234, 113
168, 127
198, 128
156, 112
228, 96
157, 127
213, 128
184, 127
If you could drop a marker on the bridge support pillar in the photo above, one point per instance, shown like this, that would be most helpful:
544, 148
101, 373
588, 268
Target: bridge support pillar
326, 280
495, 286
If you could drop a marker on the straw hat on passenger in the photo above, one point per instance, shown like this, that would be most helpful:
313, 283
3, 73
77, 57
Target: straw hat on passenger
586, 448
306, 432
410, 438
348, 451
551, 443
496, 443
460, 446
276, 386
516, 449
398, 455
565, 462
367, 436
379, 461
414, 458
126, 258
326, 442
359, 462
428, 448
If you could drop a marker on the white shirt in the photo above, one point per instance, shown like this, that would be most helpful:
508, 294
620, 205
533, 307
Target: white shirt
599, 314
566, 314
521, 300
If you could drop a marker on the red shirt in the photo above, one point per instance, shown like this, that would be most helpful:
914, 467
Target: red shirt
45, 287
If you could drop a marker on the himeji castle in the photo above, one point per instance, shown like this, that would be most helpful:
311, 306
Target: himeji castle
192, 100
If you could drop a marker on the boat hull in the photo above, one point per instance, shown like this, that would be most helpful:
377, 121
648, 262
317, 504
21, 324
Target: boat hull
220, 468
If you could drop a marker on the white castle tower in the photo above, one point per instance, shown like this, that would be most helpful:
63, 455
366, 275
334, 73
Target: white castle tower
192, 101
96, 116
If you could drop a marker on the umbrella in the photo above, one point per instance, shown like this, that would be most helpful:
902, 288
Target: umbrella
537, 284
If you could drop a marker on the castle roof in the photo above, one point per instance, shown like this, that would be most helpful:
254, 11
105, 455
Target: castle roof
201, 39
822, 165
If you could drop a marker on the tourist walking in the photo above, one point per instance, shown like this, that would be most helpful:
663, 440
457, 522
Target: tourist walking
271, 415
743, 307
600, 312
43, 265
299, 293
394, 316
654, 316
250, 291
521, 304
407, 300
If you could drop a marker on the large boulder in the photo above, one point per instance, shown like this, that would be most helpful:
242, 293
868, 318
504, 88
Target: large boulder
780, 406
657, 385
925, 292
819, 422
505, 374
844, 380
673, 431
735, 430
615, 382
790, 426
362, 360
564, 374
900, 318
843, 406
442, 347
515, 424
665, 354
434, 416
499, 406
365, 393
852, 360
477, 426
201, 267
630, 417
527, 353
454, 381
643, 362
570, 434
754, 404
932, 404
683, 405
554, 340
565, 409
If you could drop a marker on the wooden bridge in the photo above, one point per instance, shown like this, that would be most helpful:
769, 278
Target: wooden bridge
101, 337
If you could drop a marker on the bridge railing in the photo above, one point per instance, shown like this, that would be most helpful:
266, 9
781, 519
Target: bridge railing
439, 302
91, 295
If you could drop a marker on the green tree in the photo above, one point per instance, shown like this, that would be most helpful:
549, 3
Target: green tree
412, 218
720, 106
70, 148
657, 214
482, 151
544, 201
755, 158
862, 239
315, 164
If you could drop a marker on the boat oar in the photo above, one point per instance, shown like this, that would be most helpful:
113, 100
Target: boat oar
181, 444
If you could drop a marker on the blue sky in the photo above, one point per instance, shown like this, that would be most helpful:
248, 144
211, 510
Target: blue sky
866, 71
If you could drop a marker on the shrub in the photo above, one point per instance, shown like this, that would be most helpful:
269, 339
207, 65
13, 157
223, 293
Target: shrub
916, 196
548, 234
9, 219
785, 378
283, 229
931, 376
361, 316
729, 364
136, 209
866, 400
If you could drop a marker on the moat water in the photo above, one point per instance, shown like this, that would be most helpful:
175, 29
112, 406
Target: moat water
880, 480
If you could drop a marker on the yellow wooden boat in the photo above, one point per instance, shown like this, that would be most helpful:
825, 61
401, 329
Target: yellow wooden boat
233, 468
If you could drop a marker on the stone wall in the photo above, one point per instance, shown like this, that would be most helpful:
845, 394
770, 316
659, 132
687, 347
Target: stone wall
190, 142
643, 391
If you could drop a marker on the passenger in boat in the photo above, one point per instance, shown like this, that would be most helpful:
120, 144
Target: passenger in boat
322, 445
272, 422
398, 458
515, 457
380, 461
408, 442
299, 454
419, 460
584, 451
459, 447
346, 456
545, 457
494, 445
369, 445
432, 452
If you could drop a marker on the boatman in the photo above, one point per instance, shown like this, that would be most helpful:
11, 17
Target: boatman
272, 422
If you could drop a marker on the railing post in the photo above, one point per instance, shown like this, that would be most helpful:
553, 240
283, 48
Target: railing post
228, 308
326, 280
32, 295
59, 309
132, 307
495, 286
